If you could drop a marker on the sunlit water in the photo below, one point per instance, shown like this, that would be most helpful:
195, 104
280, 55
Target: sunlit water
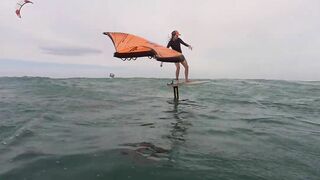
85, 129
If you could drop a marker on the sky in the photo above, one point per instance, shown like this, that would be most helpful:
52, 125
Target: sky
231, 39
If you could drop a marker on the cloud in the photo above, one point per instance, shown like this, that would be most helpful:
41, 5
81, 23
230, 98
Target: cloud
69, 51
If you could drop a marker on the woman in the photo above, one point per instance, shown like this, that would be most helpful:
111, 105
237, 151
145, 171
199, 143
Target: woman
175, 43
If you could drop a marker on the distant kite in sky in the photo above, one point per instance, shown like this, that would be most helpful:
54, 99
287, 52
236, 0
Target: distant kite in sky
20, 4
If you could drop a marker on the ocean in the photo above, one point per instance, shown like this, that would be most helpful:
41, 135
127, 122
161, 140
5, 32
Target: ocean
133, 128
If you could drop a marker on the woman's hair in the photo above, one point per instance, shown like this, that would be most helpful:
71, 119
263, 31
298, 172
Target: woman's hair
173, 34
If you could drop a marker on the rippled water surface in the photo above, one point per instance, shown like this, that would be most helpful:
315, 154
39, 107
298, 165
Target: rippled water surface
132, 128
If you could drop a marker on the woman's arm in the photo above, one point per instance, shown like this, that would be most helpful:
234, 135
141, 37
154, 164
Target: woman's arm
169, 44
190, 47
187, 45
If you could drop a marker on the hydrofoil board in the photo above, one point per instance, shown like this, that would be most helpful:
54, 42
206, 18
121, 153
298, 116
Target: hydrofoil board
191, 82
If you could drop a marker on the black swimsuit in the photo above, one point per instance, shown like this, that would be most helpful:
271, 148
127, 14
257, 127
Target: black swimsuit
176, 44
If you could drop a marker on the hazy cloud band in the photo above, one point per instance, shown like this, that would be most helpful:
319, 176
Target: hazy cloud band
70, 51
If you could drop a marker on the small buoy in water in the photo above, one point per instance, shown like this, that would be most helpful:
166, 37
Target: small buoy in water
111, 75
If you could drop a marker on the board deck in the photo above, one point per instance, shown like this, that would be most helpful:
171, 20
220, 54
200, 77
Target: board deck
183, 83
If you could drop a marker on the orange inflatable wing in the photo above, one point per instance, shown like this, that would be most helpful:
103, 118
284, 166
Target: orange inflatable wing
129, 46
164, 54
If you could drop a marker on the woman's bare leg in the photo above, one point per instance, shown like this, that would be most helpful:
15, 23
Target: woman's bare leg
177, 70
186, 70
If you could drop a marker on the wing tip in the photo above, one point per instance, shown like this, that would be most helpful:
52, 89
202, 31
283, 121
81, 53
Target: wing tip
18, 13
